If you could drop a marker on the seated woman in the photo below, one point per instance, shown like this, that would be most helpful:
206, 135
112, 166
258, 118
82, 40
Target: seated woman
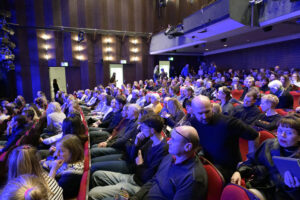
23, 160
174, 114
25, 187
268, 120
68, 168
55, 118
263, 178
16, 128
224, 95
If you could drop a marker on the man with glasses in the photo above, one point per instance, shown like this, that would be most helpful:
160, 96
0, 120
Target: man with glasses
180, 175
220, 136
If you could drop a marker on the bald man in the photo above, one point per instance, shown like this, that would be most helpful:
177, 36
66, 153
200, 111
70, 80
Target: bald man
220, 136
181, 175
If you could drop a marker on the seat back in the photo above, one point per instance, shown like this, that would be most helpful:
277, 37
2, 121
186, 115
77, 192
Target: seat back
281, 112
237, 94
215, 180
236, 192
263, 135
296, 97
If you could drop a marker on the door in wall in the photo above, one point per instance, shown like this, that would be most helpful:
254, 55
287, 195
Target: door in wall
58, 73
118, 69
166, 66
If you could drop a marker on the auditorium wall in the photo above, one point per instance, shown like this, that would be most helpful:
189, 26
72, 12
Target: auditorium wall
33, 58
285, 54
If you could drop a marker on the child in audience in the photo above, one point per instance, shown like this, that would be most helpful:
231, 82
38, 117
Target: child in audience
23, 160
68, 167
28, 187
262, 176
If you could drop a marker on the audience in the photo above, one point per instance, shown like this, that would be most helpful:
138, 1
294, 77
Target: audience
123, 134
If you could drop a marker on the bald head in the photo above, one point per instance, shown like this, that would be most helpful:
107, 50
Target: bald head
189, 133
202, 109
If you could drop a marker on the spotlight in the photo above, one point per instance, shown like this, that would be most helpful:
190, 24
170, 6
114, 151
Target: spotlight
8, 30
45, 36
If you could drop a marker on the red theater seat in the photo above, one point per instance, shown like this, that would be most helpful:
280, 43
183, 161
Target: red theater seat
296, 96
263, 135
237, 94
83, 191
236, 192
215, 180
281, 112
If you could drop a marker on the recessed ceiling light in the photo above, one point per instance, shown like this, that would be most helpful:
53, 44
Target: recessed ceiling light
225, 45
206, 49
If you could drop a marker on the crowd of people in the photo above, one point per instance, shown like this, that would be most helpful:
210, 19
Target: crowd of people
146, 137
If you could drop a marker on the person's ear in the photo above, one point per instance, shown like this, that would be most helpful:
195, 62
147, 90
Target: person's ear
152, 132
188, 147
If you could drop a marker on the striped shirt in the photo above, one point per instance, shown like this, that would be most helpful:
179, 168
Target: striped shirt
56, 192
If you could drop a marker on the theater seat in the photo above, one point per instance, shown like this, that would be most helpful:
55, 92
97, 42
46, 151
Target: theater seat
296, 97
263, 135
84, 186
237, 94
236, 192
215, 180
281, 112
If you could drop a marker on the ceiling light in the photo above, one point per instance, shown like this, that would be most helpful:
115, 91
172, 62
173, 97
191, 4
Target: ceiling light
225, 45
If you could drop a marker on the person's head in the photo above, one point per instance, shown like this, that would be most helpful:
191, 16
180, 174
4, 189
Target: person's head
188, 106
275, 86
151, 124
184, 141
155, 98
29, 114
202, 109
264, 81
249, 82
235, 80
70, 149
273, 76
288, 132
173, 106
53, 107
250, 99
199, 83
120, 102
73, 125
20, 101
216, 108
133, 111
182, 93
135, 93
224, 93
269, 101
124, 111
295, 77
284, 79
18, 121
25, 187
208, 84
23, 160
189, 91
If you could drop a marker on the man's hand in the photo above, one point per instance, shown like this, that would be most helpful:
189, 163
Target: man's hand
139, 159
236, 178
102, 144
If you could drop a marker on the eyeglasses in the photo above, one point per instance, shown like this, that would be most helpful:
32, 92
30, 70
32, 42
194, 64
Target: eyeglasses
182, 135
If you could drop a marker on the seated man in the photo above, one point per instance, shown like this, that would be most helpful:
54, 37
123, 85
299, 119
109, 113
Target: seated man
220, 136
286, 100
248, 112
180, 175
119, 144
149, 149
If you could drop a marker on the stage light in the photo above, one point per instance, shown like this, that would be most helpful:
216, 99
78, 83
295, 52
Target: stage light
47, 56
79, 48
45, 36
47, 46
80, 57
135, 50
108, 40
108, 49
134, 41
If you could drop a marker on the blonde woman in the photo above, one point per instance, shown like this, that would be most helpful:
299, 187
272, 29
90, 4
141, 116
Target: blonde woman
55, 118
175, 112
23, 160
